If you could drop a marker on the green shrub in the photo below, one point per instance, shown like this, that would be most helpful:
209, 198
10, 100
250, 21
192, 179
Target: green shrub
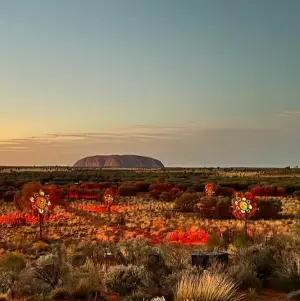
240, 239
60, 293
214, 240
83, 283
6, 281
287, 273
244, 274
124, 280
78, 259
244, 267
40, 246
138, 296
50, 269
27, 285
13, 262
135, 251
186, 202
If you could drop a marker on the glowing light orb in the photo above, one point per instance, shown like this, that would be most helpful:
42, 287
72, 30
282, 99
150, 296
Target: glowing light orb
108, 197
244, 205
40, 202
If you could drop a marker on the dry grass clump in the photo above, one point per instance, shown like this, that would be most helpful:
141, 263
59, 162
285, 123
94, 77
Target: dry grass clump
208, 286
289, 265
295, 295
287, 273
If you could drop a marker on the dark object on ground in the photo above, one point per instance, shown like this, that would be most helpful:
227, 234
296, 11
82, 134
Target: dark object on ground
204, 260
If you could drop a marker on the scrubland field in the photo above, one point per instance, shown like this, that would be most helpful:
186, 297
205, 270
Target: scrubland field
91, 252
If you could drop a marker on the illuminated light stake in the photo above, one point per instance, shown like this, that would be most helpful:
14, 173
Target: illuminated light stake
41, 204
244, 207
108, 198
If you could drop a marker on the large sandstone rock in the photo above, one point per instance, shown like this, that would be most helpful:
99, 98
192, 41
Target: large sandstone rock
119, 161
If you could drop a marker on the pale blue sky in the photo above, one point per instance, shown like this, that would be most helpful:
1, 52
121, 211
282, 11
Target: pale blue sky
95, 66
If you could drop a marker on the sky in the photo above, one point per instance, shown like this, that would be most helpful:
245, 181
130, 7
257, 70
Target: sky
191, 83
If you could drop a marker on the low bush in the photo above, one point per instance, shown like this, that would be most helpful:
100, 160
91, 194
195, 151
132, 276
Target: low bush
50, 269
127, 191
141, 187
155, 194
160, 187
186, 202
13, 262
287, 272
8, 196
124, 280
297, 194
225, 191
240, 239
215, 207
84, 283
268, 191
268, 208
221, 208
167, 196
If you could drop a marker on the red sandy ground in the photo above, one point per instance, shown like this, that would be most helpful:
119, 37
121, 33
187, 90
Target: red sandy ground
269, 295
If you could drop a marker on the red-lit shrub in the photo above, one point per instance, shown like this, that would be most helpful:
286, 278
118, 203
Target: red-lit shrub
105, 185
190, 190
89, 194
176, 189
268, 191
155, 194
21, 198
160, 187
167, 196
182, 187
280, 191
214, 207
73, 192
141, 187
225, 191
88, 186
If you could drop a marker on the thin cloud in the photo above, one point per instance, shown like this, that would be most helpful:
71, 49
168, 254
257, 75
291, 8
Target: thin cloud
165, 127
290, 113
192, 146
